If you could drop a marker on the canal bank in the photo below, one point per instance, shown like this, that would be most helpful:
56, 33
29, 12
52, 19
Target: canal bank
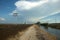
52, 31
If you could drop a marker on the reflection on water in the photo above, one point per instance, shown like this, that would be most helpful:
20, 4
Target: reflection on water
53, 31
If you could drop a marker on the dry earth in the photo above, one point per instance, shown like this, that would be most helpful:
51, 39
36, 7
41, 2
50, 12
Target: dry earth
32, 33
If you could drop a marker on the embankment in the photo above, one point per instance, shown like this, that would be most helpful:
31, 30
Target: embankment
30, 32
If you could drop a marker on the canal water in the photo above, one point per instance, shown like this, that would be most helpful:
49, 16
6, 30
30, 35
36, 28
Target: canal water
52, 31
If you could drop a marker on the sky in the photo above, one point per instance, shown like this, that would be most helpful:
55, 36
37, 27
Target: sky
29, 11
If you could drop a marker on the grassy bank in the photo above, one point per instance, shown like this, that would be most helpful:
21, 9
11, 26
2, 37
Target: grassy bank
8, 30
55, 25
52, 25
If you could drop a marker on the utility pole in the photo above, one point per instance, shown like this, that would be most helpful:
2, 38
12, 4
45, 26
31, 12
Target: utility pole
55, 19
16, 16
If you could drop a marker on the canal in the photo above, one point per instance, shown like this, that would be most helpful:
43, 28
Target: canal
52, 31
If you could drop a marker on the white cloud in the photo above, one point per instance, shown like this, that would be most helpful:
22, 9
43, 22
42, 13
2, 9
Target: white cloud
46, 20
30, 0
22, 0
55, 13
50, 14
54, 1
36, 19
15, 11
2, 19
26, 5
33, 19
41, 9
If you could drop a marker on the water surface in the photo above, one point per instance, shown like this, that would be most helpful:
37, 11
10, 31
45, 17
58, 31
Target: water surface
52, 31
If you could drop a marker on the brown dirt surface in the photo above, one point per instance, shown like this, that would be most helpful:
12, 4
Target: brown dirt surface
33, 32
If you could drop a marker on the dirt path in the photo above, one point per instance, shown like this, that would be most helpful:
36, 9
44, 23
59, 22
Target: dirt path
30, 34
34, 33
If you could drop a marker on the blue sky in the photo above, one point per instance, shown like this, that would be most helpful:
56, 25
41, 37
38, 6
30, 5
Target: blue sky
30, 11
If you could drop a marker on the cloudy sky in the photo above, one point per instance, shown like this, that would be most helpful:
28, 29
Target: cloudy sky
29, 11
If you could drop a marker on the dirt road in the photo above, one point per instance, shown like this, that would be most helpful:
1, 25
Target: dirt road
33, 33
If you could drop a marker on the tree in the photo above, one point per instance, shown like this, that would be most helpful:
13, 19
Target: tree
38, 23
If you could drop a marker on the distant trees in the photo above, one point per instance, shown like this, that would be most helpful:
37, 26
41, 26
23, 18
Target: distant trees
38, 23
